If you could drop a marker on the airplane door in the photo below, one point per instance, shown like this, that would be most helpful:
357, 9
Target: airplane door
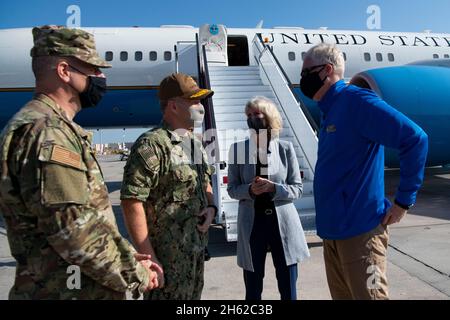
214, 37
237, 51
187, 57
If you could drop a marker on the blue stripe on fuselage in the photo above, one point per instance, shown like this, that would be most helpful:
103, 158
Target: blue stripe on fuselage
119, 108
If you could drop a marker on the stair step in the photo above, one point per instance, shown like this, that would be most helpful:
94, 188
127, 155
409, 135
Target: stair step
243, 82
307, 187
233, 116
229, 101
308, 220
305, 202
240, 133
241, 124
229, 109
237, 88
233, 68
227, 77
241, 95
214, 73
220, 117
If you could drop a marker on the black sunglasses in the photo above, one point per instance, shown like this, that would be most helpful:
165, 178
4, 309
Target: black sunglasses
310, 69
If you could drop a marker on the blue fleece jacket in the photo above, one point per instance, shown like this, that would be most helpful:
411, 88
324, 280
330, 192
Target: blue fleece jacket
349, 176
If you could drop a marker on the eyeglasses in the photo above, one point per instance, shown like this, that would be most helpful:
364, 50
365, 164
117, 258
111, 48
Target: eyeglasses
310, 69
96, 70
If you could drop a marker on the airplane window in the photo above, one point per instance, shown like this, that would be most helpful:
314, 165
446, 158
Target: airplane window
367, 56
153, 56
303, 55
108, 55
446, 56
391, 57
167, 55
291, 56
345, 56
138, 56
435, 56
123, 56
379, 56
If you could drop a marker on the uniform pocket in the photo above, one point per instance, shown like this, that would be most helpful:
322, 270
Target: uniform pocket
63, 176
62, 184
185, 180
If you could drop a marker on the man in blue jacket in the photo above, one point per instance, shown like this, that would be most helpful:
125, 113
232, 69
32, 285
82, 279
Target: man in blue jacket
352, 213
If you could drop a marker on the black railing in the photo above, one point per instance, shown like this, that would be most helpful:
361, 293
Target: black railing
305, 110
175, 49
204, 82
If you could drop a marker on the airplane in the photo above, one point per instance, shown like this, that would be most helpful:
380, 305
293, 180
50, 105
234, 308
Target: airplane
411, 71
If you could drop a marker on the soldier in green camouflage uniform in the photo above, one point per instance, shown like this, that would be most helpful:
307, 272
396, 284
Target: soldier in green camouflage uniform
166, 186
52, 194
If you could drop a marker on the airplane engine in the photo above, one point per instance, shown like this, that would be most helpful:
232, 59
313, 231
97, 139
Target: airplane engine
423, 93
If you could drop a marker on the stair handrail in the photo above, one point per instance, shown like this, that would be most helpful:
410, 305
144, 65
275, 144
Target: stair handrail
210, 121
305, 110
204, 82
262, 50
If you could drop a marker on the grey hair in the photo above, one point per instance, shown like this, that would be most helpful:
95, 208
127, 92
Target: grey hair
270, 111
327, 53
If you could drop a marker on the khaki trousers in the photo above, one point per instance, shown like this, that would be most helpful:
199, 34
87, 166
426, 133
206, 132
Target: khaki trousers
356, 267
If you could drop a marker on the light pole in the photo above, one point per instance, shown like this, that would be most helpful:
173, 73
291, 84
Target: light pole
101, 141
123, 139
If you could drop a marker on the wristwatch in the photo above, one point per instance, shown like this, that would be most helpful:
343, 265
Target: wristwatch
403, 206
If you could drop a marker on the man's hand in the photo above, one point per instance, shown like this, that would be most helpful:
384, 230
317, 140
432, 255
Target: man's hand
157, 267
152, 280
394, 215
208, 215
154, 268
144, 259
261, 185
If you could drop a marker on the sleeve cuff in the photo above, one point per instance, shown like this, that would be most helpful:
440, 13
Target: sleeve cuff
133, 197
278, 191
140, 287
406, 198
250, 193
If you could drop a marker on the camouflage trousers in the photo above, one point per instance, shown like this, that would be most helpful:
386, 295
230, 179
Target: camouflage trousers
54, 287
183, 278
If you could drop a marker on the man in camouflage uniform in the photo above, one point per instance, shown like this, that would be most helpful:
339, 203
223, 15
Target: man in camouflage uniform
52, 194
166, 192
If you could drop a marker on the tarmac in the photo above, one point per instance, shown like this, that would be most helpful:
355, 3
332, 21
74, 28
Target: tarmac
418, 254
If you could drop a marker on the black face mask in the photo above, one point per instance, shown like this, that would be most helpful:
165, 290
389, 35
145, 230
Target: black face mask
94, 92
257, 124
311, 83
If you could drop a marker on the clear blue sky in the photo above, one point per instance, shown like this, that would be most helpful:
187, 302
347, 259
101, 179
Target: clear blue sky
396, 15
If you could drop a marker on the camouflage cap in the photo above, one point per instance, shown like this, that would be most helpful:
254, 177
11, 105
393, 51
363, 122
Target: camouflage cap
65, 42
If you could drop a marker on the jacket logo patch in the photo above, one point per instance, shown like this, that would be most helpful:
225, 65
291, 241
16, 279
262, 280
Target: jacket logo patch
66, 156
331, 128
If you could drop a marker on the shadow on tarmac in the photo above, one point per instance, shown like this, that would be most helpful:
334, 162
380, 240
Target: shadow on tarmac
433, 198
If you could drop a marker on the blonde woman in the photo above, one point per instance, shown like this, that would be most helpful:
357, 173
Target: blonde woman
264, 175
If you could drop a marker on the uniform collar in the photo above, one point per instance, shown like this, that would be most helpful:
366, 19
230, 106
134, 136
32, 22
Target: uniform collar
326, 102
59, 111
174, 136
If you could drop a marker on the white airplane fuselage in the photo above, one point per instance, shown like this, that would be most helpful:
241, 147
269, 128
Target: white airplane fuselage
142, 57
